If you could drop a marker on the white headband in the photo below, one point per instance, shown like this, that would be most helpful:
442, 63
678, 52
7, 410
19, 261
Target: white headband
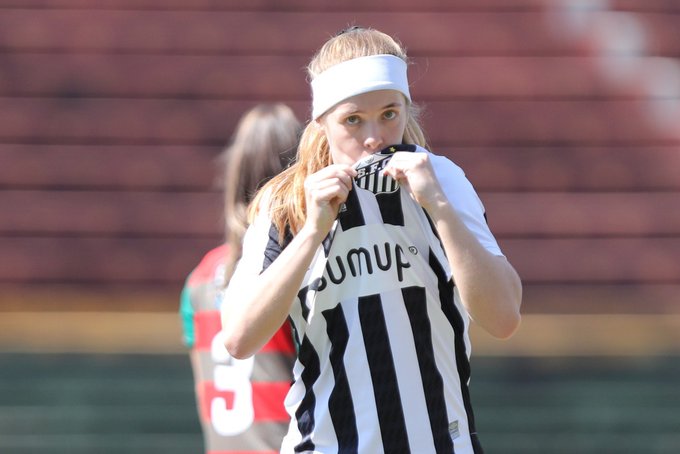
357, 76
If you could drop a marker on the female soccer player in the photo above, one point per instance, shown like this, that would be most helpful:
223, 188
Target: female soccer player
378, 252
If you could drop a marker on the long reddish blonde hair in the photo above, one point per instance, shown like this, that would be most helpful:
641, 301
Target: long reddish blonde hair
263, 144
285, 192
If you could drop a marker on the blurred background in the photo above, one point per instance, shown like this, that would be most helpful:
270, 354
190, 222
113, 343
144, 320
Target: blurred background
565, 116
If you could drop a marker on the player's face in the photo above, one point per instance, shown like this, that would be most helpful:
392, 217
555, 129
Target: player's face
364, 124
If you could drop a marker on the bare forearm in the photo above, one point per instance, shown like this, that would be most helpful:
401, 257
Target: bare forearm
488, 285
265, 304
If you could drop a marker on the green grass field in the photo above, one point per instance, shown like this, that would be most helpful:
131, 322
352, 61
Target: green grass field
129, 404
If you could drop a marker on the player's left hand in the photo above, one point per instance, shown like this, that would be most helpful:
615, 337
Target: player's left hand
414, 172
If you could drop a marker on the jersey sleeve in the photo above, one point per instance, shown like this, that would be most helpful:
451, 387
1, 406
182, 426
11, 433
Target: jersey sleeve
199, 291
464, 199
260, 249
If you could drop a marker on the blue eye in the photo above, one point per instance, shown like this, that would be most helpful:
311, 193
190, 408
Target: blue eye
390, 115
353, 120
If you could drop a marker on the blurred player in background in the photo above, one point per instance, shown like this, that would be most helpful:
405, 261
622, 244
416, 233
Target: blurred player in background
240, 402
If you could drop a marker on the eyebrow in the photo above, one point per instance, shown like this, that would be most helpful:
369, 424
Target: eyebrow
391, 105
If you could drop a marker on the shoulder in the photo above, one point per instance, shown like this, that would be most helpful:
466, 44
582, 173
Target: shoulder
199, 291
451, 176
205, 270
464, 199
442, 163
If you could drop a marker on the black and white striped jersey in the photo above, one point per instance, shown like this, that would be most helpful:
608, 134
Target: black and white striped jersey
383, 361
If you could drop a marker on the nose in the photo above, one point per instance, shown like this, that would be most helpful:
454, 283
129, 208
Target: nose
373, 139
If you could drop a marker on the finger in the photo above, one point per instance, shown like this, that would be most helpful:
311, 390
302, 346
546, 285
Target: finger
328, 189
395, 172
342, 173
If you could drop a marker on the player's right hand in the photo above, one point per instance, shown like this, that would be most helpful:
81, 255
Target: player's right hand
325, 191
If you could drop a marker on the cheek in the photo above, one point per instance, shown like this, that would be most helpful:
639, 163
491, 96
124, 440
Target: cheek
343, 153
340, 138
345, 149
334, 134
397, 133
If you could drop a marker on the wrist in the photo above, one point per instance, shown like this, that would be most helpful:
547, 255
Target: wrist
310, 233
437, 206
